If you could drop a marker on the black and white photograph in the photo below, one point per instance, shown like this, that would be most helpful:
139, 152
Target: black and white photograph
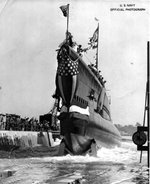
74, 92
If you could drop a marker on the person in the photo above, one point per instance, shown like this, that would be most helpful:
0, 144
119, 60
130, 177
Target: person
79, 50
70, 39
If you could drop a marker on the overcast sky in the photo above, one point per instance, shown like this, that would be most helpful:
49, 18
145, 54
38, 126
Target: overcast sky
30, 32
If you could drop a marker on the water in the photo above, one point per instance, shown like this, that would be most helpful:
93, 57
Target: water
115, 166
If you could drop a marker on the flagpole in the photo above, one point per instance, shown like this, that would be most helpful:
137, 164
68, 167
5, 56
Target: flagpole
67, 23
97, 47
148, 104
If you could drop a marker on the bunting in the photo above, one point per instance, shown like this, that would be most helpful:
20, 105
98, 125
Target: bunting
66, 66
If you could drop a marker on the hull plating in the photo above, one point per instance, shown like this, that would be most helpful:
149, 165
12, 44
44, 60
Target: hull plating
87, 117
79, 132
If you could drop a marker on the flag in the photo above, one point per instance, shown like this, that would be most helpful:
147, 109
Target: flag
65, 10
94, 39
96, 19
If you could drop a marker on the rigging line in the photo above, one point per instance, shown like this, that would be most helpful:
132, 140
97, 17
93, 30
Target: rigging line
4, 6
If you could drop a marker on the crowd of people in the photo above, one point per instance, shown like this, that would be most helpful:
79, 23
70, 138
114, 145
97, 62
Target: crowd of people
17, 123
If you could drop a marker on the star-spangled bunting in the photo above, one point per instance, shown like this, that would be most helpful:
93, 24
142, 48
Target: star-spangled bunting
65, 9
66, 66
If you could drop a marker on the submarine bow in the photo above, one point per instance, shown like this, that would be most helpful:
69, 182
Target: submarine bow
85, 115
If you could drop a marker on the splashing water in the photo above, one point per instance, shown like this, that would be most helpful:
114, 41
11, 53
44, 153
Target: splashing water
111, 166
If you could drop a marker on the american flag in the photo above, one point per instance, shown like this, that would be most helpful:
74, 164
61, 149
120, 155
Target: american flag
65, 10
94, 39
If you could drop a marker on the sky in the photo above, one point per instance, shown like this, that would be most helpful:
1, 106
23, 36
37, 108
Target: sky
30, 32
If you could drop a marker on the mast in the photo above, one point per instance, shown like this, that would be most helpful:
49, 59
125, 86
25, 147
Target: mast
97, 46
148, 103
65, 11
67, 22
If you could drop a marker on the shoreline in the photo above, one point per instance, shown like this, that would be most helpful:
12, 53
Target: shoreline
28, 152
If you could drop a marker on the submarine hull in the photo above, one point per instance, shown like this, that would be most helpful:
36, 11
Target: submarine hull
80, 132
85, 113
